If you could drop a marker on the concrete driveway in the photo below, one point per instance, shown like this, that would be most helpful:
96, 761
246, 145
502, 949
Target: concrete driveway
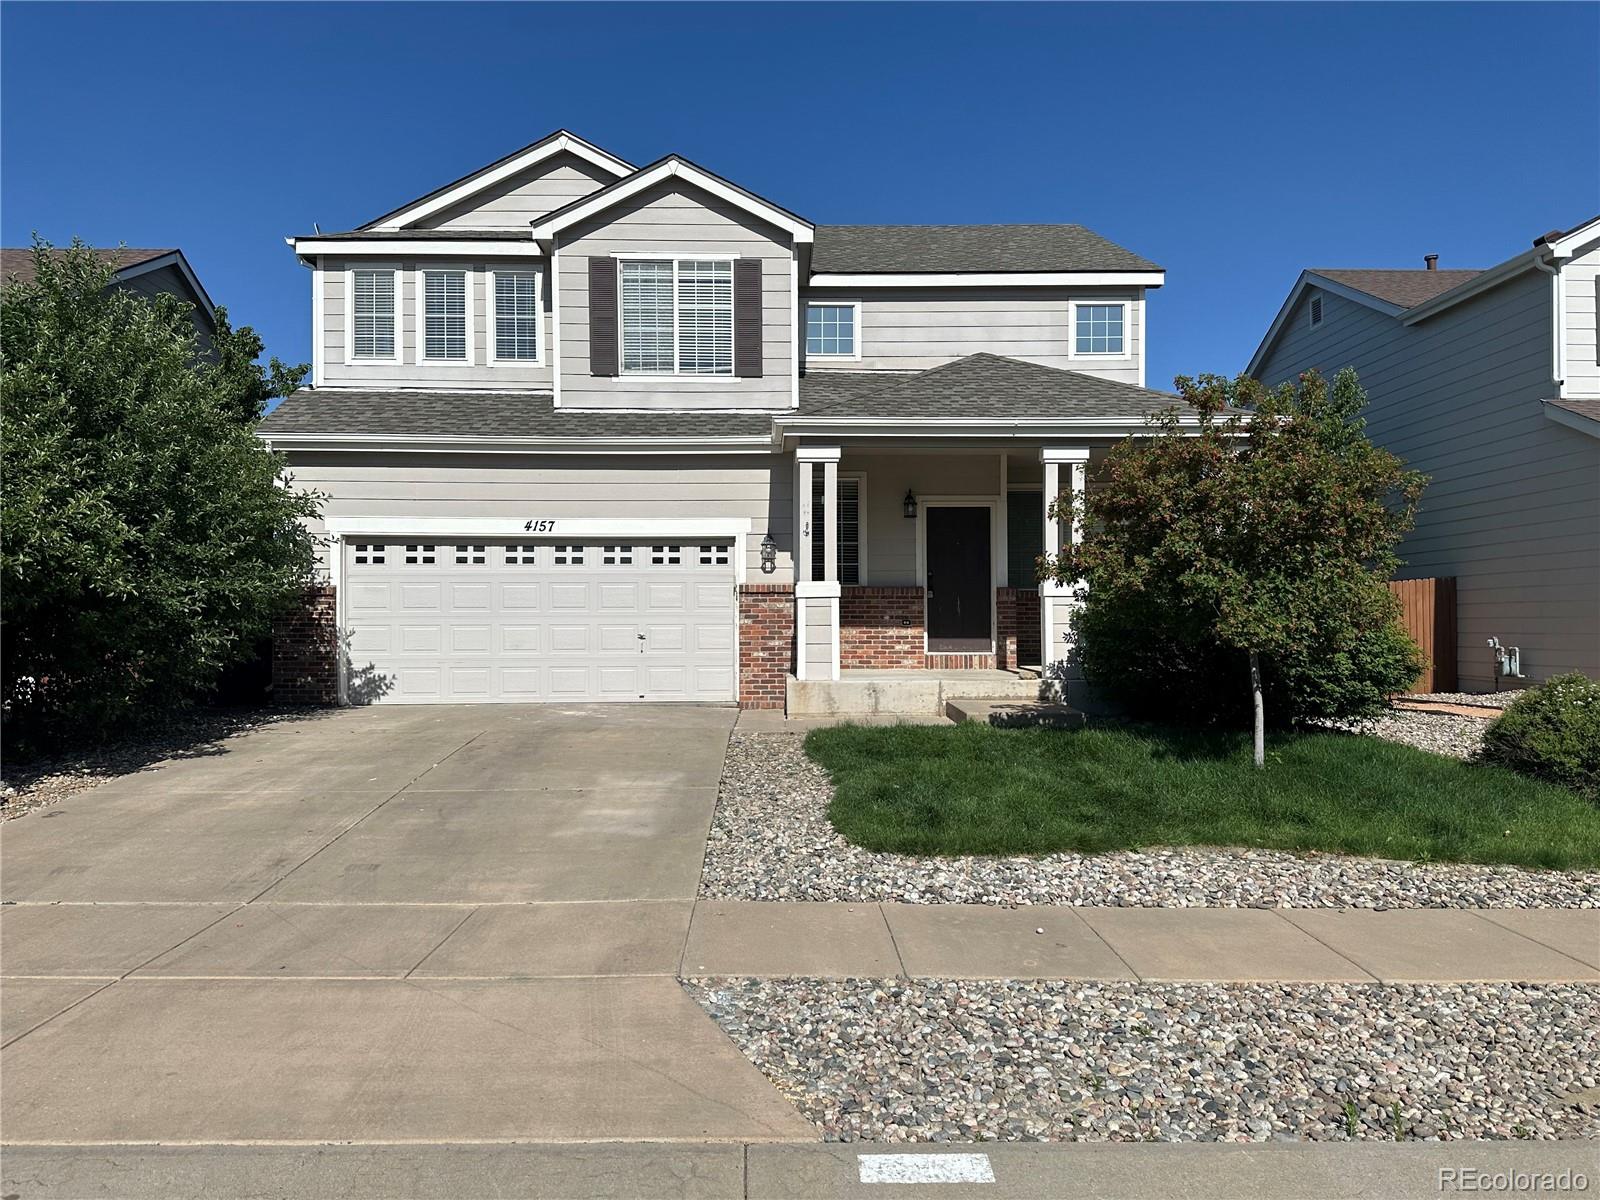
434, 924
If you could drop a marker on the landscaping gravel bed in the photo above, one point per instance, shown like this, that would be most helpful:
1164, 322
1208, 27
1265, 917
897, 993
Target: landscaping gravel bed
771, 840
1441, 733
1047, 1061
1475, 699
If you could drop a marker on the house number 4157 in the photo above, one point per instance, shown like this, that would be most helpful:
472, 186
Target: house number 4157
547, 525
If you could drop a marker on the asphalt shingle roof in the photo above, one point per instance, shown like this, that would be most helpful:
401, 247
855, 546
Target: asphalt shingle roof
1582, 408
17, 262
1407, 288
923, 249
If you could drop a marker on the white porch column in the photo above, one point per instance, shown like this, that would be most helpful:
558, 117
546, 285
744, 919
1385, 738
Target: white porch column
1055, 599
816, 601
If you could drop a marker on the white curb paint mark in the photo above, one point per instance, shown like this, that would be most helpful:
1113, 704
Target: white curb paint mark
925, 1168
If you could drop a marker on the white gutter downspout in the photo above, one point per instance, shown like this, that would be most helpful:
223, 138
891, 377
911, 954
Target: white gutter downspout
1558, 315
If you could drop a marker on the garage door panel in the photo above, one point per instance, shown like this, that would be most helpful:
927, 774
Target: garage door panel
512, 623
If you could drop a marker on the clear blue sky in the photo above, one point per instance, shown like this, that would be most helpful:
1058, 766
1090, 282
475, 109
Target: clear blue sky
1233, 144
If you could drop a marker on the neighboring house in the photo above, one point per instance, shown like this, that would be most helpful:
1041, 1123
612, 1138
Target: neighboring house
1489, 382
147, 273
591, 431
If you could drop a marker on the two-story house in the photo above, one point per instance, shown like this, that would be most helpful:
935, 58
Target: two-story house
147, 273
591, 431
1489, 382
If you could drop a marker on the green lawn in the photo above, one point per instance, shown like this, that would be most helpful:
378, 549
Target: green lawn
973, 789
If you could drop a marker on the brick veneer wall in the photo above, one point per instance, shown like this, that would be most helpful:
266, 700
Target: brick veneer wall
766, 644
880, 628
1017, 626
305, 651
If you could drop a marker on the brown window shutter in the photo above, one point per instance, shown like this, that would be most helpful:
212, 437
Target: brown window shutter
747, 318
602, 316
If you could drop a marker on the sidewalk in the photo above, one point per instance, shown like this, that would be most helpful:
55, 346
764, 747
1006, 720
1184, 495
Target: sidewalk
1227, 945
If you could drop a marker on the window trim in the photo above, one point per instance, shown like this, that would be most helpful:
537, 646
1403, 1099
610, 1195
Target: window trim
860, 480
805, 329
419, 285
491, 326
675, 373
396, 274
1125, 353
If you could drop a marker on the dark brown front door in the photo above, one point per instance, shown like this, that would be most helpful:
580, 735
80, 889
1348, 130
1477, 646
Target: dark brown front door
959, 599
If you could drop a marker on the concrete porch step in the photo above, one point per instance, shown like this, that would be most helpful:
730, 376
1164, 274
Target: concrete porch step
902, 691
1010, 714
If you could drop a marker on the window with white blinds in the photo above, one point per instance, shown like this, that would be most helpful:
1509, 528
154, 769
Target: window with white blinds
677, 317
516, 316
849, 494
372, 314
444, 315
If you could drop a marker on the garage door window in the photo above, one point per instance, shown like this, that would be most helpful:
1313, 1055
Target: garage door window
520, 556
366, 553
475, 556
419, 554
616, 556
569, 556
713, 556
666, 556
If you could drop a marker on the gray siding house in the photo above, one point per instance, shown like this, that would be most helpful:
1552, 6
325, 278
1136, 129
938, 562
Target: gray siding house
591, 431
147, 273
1488, 381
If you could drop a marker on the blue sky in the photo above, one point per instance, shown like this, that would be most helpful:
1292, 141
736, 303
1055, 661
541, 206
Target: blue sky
1233, 144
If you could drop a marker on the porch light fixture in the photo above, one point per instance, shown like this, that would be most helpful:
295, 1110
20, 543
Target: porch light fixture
769, 555
909, 505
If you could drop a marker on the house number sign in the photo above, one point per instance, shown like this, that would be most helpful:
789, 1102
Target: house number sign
541, 525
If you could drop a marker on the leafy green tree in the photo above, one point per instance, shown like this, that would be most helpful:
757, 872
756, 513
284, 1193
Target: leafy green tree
244, 385
147, 536
1247, 559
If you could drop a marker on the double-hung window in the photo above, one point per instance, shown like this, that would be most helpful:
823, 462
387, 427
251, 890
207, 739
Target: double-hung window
372, 313
849, 499
677, 316
832, 330
516, 316
444, 316
1099, 329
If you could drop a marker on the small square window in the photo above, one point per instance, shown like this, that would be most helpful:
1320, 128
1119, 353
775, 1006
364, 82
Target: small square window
616, 556
666, 556
520, 556
1100, 329
419, 554
713, 556
831, 330
472, 555
367, 553
569, 556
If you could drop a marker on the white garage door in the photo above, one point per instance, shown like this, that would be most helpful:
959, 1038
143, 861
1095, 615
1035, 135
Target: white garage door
437, 622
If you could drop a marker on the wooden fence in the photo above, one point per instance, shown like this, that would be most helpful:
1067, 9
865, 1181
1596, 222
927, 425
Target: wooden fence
1428, 612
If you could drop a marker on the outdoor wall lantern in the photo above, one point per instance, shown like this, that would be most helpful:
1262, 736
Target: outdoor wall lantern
769, 555
910, 505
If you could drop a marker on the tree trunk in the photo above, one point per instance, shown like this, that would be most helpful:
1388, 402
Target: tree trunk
1261, 710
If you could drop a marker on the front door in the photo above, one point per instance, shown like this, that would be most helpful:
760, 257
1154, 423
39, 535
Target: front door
960, 592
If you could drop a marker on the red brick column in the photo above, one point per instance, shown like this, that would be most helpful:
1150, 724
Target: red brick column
766, 644
305, 651
1016, 627
880, 628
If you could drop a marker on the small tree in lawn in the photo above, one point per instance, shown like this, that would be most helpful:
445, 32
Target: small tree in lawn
1248, 560
146, 536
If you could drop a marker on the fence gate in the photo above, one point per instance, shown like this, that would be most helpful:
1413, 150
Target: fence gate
1428, 612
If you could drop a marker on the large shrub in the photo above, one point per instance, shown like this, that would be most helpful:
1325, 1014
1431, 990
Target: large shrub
1551, 732
146, 537
1257, 544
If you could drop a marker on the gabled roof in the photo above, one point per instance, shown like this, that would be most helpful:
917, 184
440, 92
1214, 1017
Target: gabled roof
1404, 288
673, 166
16, 264
1582, 415
982, 387
896, 249
559, 142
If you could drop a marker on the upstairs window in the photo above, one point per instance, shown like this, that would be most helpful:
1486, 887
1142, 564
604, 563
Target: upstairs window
372, 314
1099, 329
516, 316
831, 330
444, 316
677, 316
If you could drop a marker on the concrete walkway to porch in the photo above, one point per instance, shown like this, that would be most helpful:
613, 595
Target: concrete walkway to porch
1223, 945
